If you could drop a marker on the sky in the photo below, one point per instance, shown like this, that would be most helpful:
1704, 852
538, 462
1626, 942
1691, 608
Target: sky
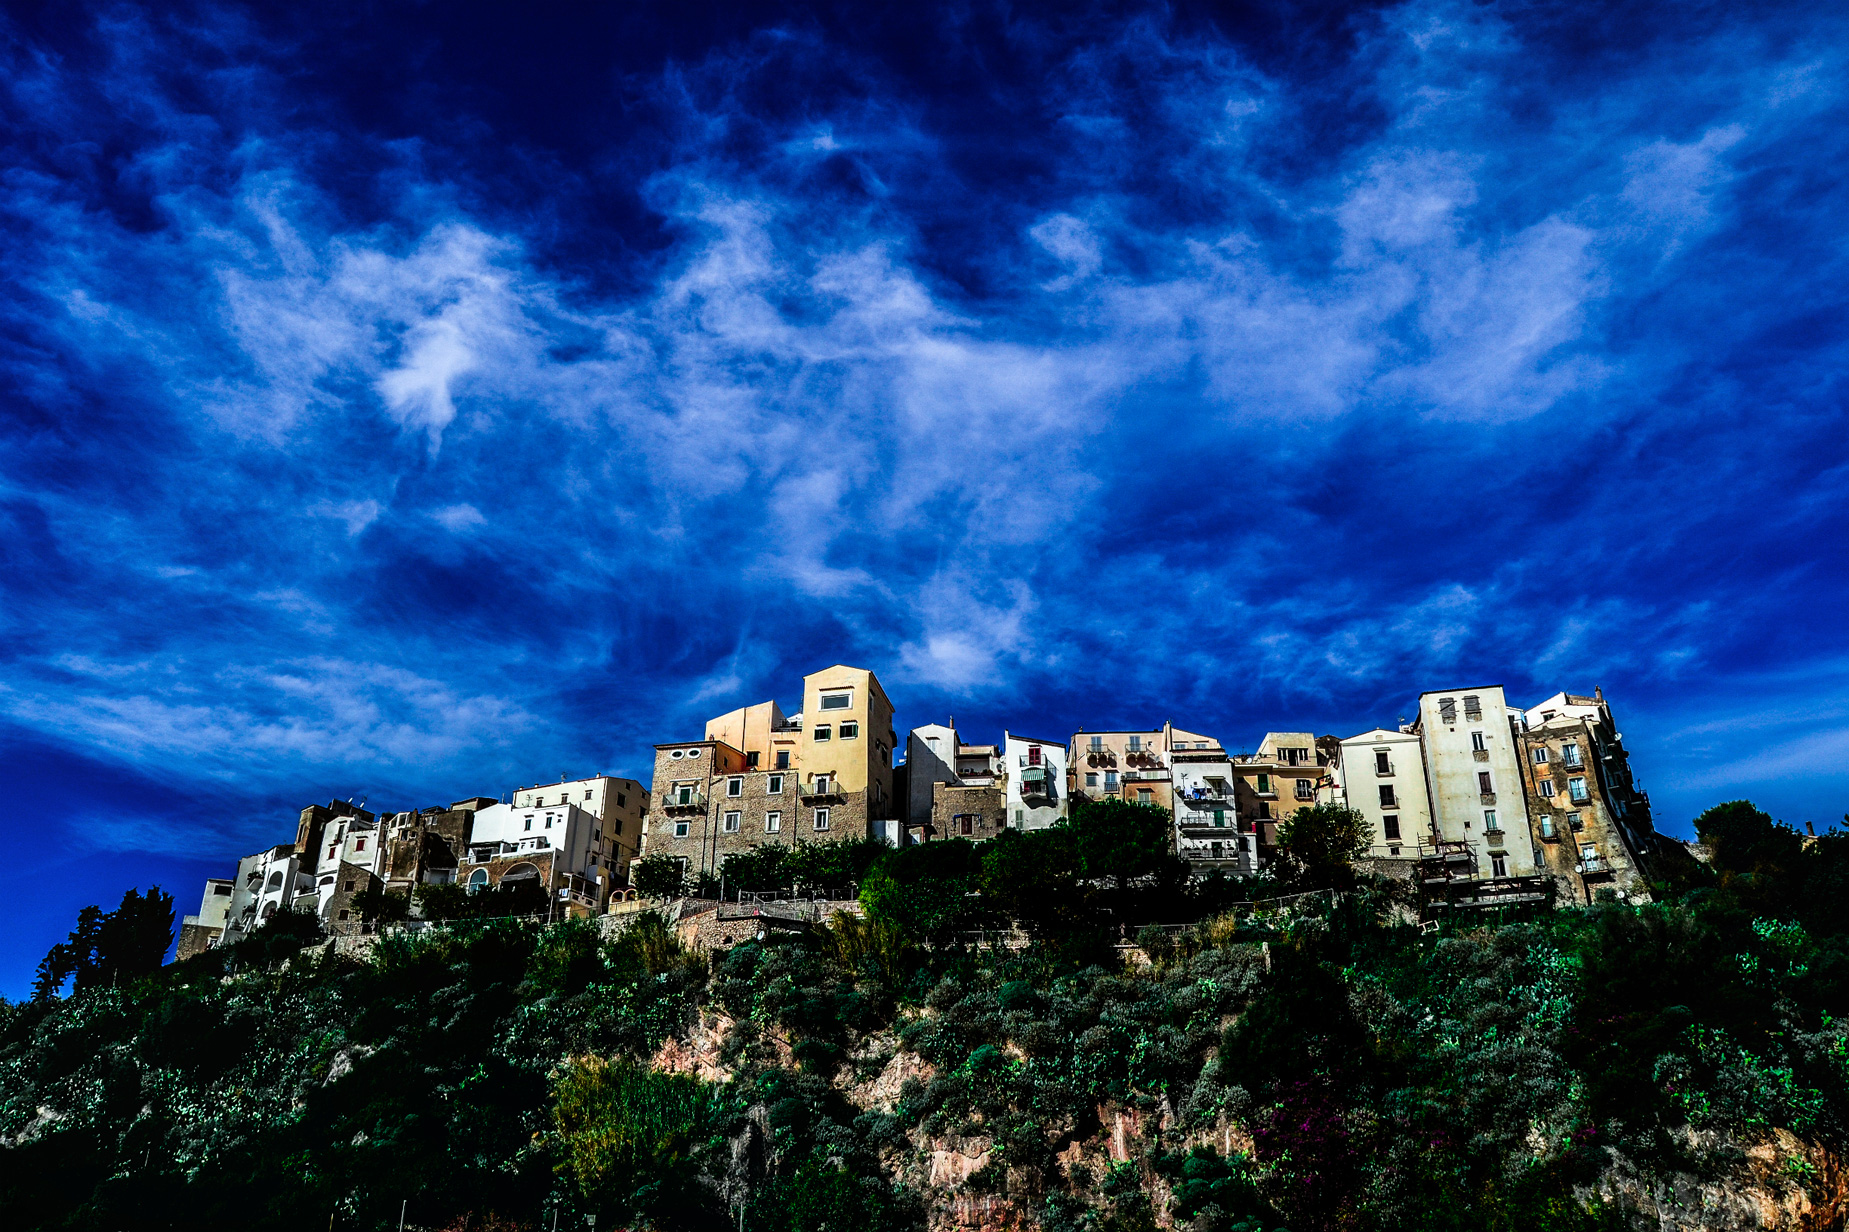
408, 402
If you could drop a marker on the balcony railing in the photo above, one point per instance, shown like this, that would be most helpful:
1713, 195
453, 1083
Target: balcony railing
1479, 754
822, 790
1594, 867
1190, 823
1385, 772
683, 800
1488, 797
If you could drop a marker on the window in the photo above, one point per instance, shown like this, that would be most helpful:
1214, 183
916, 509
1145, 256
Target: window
735, 786
1264, 784
1264, 810
1577, 789
360, 845
622, 801
1478, 743
1296, 757
1547, 788
885, 757
693, 752
1390, 825
1306, 789
1573, 820
1499, 866
1569, 753
965, 823
1447, 710
1136, 744
850, 731
1483, 783
773, 823
677, 754
1110, 780
1020, 815
1489, 820
1540, 755
1383, 764
587, 793
1033, 754
1091, 779
333, 851
686, 794
1145, 796
1473, 708
548, 821
347, 886
1388, 799
731, 823
680, 829
774, 785
822, 733
1219, 817
1547, 828
341, 915
1097, 744
821, 819
751, 760
837, 701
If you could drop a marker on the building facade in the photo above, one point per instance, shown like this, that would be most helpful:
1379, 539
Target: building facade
1471, 739
1288, 772
1034, 778
1208, 832
618, 804
1384, 781
556, 846
1588, 819
201, 932
823, 773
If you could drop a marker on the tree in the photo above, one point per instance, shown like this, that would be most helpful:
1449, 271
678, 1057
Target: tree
1318, 847
1746, 842
1123, 841
109, 947
1034, 876
925, 890
657, 876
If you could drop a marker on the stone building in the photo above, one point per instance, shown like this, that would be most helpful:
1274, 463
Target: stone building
1384, 781
976, 810
823, 773
1472, 745
199, 933
1587, 817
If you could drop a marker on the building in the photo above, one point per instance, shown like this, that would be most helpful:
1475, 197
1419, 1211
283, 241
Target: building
557, 846
427, 847
618, 804
1130, 765
823, 773
1384, 781
1208, 830
930, 759
1289, 771
1588, 819
267, 882
1034, 777
199, 933
1472, 745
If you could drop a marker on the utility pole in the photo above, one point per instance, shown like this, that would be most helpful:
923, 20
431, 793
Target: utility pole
406, 1202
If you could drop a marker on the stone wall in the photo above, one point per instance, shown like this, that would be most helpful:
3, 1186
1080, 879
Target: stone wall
974, 813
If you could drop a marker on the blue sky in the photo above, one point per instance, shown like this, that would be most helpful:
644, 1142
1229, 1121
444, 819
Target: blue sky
432, 400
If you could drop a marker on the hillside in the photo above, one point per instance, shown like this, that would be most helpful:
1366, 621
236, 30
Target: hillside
1683, 1064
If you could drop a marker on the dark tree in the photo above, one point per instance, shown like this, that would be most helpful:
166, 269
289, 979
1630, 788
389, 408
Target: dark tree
657, 876
1318, 847
1123, 841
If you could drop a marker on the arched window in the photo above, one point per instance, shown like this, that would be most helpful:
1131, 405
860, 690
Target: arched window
478, 878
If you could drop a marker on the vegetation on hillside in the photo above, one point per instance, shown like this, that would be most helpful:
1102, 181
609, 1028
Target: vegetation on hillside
1365, 1074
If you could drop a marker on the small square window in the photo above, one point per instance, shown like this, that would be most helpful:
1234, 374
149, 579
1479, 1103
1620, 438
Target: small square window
341, 915
775, 785
783, 759
822, 733
735, 787
751, 760
1091, 780
347, 887
681, 829
821, 819
850, 731
773, 823
1547, 788
359, 845
731, 823
587, 793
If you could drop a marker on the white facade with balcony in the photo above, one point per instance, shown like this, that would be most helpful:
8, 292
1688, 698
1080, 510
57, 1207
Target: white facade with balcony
1207, 829
1035, 773
1471, 740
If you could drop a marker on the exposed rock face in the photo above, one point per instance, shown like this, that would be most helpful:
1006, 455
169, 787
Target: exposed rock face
1780, 1183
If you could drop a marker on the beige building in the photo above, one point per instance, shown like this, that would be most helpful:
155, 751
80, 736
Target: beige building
823, 773
1588, 820
1288, 772
1472, 744
1129, 765
1384, 777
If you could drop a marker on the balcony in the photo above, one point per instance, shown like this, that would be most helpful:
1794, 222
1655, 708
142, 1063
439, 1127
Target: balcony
1209, 796
1206, 823
681, 800
826, 789
1383, 772
1100, 757
1479, 754
1146, 776
1493, 834
1488, 797
1597, 866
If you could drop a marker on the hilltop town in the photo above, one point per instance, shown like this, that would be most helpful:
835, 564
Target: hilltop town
1484, 803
